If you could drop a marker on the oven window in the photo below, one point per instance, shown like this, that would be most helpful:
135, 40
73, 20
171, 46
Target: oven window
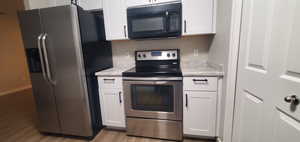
148, 24
153, 97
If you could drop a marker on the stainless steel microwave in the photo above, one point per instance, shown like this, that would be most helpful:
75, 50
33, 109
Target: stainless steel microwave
155, 21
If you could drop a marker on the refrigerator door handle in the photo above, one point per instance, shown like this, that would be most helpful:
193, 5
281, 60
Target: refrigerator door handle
41, 55
46, 59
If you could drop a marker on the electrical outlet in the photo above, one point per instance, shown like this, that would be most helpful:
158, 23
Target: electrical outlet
196, 52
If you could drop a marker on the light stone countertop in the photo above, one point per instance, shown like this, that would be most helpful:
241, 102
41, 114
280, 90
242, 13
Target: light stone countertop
201, 69
114, 72
188, 70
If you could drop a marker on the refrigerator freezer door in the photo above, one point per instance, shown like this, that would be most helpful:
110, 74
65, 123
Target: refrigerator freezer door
67, 69
42, 90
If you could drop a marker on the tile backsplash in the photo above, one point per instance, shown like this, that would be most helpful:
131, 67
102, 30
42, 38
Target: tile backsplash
192, 49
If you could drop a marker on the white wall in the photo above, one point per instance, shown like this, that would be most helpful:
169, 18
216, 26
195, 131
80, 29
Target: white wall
123, 51
219, 50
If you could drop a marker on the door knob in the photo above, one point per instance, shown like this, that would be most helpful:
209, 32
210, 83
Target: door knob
293, 99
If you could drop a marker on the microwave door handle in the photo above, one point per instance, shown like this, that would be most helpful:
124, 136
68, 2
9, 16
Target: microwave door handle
41, 56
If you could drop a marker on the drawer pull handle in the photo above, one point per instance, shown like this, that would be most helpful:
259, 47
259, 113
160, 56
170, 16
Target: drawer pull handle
200, 80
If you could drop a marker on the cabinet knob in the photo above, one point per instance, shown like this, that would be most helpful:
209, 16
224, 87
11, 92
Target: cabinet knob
120, 97
186, 100
293, 99
184, 26
125, 33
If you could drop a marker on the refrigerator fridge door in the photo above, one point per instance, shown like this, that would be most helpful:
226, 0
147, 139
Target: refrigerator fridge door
30, 23
66, 69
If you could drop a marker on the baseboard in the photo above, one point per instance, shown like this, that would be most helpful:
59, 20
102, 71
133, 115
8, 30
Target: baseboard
15, 90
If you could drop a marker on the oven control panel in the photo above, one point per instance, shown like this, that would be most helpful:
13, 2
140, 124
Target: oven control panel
157, 55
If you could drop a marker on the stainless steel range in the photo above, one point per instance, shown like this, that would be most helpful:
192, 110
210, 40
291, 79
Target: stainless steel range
153, 95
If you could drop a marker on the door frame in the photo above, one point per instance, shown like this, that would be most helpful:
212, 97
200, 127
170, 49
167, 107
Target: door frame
234, 45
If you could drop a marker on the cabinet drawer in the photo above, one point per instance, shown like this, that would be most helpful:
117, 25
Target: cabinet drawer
200, 83
110, 82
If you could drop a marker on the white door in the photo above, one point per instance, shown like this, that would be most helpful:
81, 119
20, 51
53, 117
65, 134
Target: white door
268, 72
90, 4
285, 66
199, 113
198, 17
112, 108
115, 19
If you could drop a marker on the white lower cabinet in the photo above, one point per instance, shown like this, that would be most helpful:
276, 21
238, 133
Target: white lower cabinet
112, 102
200, 108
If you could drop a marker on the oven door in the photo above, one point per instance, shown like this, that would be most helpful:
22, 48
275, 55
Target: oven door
153, 99
154, 21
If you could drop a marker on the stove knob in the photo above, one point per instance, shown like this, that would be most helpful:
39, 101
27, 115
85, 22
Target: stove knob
173, 54
168, 55
139, 56
144, 55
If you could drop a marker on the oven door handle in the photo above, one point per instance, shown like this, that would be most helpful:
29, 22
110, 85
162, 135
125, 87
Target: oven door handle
161, 82
152, 78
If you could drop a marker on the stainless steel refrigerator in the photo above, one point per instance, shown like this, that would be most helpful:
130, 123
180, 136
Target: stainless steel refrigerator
65, 46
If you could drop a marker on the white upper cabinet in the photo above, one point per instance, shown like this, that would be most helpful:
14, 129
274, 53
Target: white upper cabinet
133, 3
90, 4
199, 17
164, 1
115, 19
36, 4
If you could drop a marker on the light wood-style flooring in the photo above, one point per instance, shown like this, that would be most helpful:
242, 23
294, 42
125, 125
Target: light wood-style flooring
18, 117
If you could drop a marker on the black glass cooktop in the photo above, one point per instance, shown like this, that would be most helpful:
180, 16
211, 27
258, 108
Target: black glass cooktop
153, 72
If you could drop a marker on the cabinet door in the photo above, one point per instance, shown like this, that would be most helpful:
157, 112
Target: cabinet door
198, 17
115, 19
90, 4
164, 1
199, 113
35, 4
132, 3
53, 3
112, 107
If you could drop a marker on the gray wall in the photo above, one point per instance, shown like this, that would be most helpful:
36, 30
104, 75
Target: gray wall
219, 50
